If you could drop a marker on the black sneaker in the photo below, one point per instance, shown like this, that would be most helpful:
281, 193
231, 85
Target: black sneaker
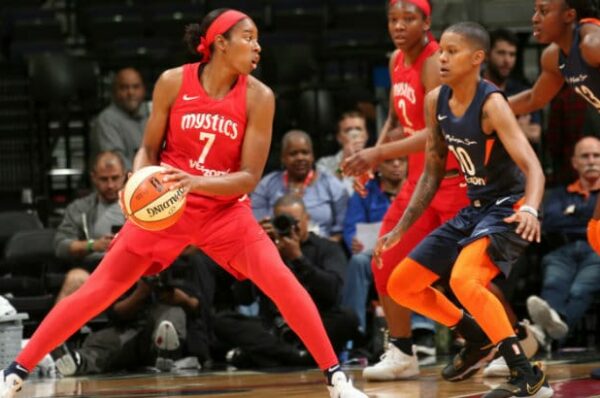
522, 384
468, 361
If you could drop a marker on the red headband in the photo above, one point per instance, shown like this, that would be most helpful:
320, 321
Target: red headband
220, 25
422, 4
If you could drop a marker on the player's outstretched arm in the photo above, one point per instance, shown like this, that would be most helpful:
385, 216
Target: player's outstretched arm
497, 116
545, 88
436, 153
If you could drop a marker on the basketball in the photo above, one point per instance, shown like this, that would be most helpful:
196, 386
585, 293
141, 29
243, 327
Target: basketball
148, 202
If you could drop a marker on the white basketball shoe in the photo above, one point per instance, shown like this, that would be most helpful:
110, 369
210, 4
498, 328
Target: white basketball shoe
166, 341
542, 314
394, 365
9, 385
341, 387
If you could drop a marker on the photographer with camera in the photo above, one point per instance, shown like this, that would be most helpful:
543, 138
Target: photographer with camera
318, 263
149, 325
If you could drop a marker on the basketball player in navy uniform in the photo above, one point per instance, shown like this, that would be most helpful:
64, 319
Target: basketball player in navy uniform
471, 118
572, 30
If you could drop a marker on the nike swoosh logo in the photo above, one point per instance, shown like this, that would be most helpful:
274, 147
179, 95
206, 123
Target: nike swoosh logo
500, 201
442, 117
22, 369
536, 387
561, 66
188, 98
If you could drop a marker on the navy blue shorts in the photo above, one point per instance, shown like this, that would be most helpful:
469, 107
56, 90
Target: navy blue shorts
439, 250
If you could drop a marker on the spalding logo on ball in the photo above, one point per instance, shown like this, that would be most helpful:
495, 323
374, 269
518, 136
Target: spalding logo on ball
148, 201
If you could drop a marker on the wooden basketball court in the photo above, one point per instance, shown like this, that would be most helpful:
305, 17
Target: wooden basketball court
568, 378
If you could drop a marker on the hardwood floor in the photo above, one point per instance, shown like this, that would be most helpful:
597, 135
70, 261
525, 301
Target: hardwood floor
570, 380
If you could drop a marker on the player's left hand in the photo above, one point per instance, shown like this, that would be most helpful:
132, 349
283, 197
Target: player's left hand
384, 243
529, 225
179, 179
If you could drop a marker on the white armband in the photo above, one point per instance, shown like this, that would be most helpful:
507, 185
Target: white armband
529, 209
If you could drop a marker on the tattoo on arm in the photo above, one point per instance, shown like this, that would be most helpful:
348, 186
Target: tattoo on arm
436, 152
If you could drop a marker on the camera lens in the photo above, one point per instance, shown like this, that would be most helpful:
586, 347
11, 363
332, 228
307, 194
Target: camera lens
283, 224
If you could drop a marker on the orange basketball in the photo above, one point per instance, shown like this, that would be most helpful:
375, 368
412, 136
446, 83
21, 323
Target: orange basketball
148, 201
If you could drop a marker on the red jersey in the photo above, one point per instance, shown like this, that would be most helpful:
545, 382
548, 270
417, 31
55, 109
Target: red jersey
409, 104
205, 135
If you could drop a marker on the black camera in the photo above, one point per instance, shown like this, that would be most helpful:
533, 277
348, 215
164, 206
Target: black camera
284, 224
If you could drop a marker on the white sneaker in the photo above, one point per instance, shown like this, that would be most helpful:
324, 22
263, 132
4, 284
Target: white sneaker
166, 341
543, 340
6, 308
545, 316
394, 365
497, 368
165, 337
9, 385
341, 387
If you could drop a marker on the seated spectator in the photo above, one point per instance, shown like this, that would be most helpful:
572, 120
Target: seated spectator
323, 194
368, 209
352, 136
120, 126
571, 272
90, 223
359, 276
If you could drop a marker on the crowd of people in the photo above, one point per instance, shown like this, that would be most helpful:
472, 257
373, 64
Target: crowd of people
453, 190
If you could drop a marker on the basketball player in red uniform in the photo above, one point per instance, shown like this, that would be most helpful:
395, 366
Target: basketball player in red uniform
211, 125
414, 69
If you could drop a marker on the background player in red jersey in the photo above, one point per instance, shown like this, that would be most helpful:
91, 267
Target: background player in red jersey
211, 125
414, 69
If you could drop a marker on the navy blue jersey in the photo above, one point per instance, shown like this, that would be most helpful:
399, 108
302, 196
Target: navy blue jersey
583, 78
488, 169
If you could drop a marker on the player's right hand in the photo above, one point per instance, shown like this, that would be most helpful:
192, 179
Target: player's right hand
384, 243
528, 226
361, 162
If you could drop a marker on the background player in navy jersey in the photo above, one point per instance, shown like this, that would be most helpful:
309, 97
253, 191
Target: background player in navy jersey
471, 118
572, 30
218, 163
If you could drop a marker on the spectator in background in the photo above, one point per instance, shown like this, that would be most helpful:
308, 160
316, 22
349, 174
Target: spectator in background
571, 272
500, 66
324, 196
352, 136
120, 126
90, 223
318, 263
371, 208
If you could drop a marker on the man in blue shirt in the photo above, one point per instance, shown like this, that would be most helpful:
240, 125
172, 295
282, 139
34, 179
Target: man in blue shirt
571, 272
